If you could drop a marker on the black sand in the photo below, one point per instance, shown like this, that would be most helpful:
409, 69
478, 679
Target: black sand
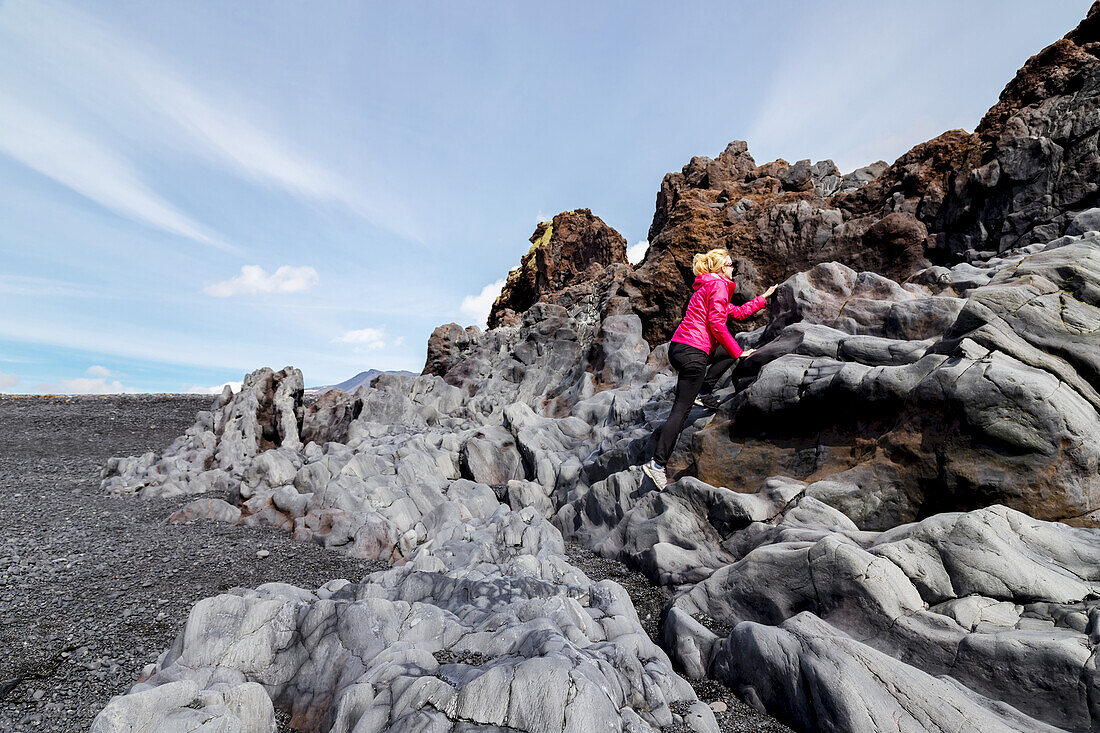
93, 587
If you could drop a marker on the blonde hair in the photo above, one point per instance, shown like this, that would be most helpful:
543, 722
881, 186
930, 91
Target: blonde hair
712, 261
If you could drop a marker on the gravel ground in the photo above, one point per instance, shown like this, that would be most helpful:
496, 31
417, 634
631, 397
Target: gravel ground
93, 588
731, 712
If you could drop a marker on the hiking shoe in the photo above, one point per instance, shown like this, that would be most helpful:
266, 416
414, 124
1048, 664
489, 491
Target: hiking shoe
708, 401
656, 473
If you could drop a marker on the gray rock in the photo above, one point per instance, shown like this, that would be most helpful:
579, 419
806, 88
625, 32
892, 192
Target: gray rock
802, 577
178, 707
490, 456
488, 625
943, 402
872, 590
805, 671
328, 417
1086, 221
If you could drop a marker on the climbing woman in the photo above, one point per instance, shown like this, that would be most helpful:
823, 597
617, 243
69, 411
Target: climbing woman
698, 341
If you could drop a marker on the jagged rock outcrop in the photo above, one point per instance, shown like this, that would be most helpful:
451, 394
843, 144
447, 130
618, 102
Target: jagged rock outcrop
493, 629
996, 600
266, 413
859, 539
487, 627
1029, 167
1026, 171
448, 345
482, 622
574, 247
967, 387
573, 343
774, 219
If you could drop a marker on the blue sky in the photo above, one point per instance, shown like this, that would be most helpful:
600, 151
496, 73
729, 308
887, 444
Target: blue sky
189, 191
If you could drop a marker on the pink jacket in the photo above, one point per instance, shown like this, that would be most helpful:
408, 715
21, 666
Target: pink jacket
705, 320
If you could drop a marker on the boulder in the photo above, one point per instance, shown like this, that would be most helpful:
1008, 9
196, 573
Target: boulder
327, 418
448, 345
571, 248
490, 457
896, 404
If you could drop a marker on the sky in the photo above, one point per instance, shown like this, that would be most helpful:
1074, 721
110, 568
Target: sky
192, 190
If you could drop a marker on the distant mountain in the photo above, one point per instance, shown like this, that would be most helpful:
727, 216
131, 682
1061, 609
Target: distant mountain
350, 385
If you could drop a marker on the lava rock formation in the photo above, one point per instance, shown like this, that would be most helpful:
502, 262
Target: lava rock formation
872, 533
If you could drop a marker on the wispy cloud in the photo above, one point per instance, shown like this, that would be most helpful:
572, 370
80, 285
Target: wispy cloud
810, 108
98, 371
254, 280
477, 307
85, 385
118, 79
233, 139
7, 381
219, 349
74, 160
43, 286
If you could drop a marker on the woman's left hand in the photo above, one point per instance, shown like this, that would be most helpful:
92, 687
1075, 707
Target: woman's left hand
769, 291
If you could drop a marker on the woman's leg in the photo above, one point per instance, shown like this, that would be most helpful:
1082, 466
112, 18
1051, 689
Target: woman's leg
690, 364
720, 362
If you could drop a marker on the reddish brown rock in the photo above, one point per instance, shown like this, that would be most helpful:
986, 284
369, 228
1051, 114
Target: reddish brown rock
1031, 165
577, 246
327, 418
448, 345
774, 219
1062, 68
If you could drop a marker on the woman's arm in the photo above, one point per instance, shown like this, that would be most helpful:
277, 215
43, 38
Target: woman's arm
741, 312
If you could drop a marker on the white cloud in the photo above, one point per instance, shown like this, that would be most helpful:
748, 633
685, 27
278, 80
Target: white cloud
41, 286
235, 386
477, 307
85, 385
541, 217
74, 160
254, 280
367, 338
7, 381
636, 251
98, 371
118, 78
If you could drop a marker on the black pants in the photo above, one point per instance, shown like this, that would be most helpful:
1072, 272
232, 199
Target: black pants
693, 376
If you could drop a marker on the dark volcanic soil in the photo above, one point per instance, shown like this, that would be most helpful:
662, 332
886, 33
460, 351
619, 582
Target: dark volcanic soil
732, 713
93, 588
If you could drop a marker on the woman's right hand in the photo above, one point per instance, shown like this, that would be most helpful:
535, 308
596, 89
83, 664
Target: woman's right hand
747, 352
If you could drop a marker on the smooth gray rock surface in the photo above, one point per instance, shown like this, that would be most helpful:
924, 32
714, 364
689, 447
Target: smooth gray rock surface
486, 625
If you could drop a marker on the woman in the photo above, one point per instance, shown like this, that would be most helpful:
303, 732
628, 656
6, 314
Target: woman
703, 328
